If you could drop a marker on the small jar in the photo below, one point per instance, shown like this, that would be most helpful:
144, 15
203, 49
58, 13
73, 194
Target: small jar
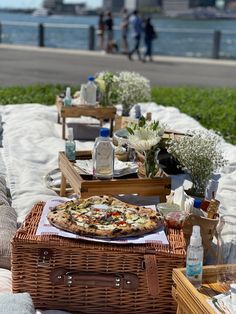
173, 216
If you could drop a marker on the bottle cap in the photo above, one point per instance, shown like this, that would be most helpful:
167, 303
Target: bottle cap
90, 78
70, 134
68, 92
104, 132
196, 239
197, 203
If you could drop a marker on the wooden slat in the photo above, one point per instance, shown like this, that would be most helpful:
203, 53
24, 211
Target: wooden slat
159, 186
192, 301
98, 112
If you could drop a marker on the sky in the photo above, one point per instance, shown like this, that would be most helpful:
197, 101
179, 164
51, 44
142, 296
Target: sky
38, 3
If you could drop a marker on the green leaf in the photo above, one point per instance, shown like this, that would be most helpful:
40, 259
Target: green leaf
130, 130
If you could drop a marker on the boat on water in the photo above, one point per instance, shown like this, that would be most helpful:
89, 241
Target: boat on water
41, 12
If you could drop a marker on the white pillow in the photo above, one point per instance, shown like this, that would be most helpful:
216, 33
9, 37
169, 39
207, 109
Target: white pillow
5, 280
8, 226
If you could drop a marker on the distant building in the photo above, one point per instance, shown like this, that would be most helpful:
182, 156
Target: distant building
230, 4
202, 3
139, 4
170, 6
58, 7
113, 6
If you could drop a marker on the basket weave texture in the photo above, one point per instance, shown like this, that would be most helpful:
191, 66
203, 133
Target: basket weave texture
34, 258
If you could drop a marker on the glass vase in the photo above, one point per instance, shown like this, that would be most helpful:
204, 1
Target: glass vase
198, 188
151, 163
226, 247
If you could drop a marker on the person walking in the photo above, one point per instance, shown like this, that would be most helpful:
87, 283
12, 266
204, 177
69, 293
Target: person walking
109, 31
137, 25
125, 30
101, 30
149, 36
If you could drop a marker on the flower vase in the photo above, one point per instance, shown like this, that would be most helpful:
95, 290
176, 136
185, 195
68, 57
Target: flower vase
197, 189
150, 166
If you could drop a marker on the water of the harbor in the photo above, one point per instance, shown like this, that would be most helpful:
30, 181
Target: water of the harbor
176, 37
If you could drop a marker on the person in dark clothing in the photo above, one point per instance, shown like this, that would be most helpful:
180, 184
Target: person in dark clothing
149, 36
109, 31
137, 25
101, 30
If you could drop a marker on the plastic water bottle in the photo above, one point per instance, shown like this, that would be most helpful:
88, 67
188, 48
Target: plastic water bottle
70, 145
91, 91
103, 156
68, 98
194, 260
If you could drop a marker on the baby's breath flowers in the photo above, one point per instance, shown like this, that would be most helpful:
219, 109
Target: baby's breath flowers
126, 88
144, 137
132, 88
199, 155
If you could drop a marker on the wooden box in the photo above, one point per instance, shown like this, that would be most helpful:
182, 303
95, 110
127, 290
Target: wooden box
90, 277
189, 299
158, 186
98, 112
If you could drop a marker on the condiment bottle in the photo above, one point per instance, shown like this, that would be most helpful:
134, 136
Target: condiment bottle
70, 145
194, 259
68, 99
212, 208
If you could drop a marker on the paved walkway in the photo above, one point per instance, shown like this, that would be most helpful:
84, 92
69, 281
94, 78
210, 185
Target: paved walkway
23, 65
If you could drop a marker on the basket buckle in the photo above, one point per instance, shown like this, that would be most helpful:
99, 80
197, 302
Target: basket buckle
44, 257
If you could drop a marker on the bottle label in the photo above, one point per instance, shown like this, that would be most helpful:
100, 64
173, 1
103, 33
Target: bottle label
194, 269
104, 158
67, 101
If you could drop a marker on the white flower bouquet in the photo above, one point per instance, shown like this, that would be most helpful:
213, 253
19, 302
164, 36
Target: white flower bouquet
199, 154
144, 137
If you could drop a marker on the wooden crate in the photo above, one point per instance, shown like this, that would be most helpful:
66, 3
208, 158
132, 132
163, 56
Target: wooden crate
100, 113
158, 186
189, 299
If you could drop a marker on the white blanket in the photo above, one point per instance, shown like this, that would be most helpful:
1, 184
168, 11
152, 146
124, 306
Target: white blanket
32, 140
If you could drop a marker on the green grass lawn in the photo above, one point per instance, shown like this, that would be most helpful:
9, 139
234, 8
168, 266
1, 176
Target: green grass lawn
214, 108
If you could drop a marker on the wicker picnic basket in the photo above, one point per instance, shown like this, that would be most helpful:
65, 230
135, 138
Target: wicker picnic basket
88, 277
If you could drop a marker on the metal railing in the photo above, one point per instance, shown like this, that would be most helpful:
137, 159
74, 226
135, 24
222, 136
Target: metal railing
82, 36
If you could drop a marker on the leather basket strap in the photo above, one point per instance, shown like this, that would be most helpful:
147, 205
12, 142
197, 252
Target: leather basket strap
124, 281
152, 274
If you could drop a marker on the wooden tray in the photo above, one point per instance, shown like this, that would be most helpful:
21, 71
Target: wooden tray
100, 113
158, 186
189, 299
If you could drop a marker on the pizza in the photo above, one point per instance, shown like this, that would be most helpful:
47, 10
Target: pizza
104, 217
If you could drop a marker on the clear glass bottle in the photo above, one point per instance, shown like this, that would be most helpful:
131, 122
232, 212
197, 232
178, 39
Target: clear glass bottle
91, 91
194, 259
68, 99
103, 156
70, 145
